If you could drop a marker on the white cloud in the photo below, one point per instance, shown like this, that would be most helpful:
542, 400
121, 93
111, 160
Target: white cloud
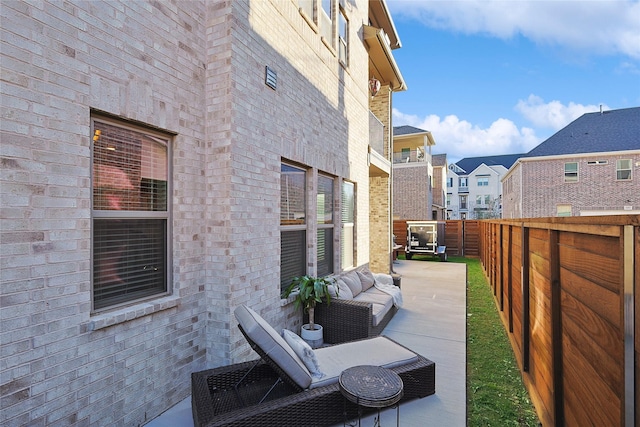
604, 27
459, 138
554, 114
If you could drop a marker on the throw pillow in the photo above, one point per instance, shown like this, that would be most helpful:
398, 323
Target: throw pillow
304, 352
366, 278
353, 281
344, 292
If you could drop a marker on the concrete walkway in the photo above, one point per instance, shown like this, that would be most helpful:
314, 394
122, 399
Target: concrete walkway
432, 322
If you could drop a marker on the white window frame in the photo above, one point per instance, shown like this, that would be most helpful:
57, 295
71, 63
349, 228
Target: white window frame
343, 39
620, 169
571, 176
563, 210
347, 219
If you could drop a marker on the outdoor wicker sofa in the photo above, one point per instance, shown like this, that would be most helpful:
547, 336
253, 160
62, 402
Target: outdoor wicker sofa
357, 313
278, 390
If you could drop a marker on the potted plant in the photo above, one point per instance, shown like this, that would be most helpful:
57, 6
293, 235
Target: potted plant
309, 291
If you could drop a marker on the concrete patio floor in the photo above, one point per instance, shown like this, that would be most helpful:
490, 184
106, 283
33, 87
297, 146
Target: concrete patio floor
432, 322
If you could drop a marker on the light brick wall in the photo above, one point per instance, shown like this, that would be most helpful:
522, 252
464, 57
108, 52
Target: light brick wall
380, 233
543, 188
411, 192
194, 69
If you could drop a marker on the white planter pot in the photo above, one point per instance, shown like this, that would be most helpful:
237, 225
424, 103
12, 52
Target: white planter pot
312, 337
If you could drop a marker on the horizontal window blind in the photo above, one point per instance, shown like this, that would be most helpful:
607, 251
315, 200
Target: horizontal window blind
325, 252
293, 258
129, 260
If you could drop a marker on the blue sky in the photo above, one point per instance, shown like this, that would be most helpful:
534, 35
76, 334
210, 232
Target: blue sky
499, 77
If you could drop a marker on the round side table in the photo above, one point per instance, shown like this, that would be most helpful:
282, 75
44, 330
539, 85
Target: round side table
372, 387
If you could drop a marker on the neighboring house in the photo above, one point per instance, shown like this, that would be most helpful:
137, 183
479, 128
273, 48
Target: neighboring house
164, 162
474, 190
590, 167
439, 207
412, 173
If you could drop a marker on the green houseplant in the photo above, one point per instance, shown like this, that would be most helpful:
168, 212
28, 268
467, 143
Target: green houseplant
309, 291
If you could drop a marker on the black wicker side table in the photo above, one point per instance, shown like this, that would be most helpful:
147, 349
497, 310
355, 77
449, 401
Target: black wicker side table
372, 387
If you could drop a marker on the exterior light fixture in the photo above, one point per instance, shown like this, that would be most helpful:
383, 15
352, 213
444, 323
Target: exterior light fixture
374, 86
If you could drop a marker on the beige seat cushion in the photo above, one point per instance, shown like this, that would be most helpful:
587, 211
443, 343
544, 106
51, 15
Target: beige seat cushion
382, 303
378, 351
273, 344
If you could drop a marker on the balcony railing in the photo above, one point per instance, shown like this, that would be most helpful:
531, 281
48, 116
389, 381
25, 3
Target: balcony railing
376, 134
413, 156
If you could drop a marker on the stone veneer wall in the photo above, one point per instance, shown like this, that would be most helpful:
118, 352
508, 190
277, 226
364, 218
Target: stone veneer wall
195, 70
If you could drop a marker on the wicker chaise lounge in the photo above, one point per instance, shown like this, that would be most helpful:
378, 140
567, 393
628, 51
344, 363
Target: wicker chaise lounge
279, 390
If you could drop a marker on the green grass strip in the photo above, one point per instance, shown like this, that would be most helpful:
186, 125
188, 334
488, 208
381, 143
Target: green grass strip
495, 392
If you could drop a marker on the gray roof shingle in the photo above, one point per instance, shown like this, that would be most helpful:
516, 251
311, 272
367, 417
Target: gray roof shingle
407, 130
469, 164
614, 130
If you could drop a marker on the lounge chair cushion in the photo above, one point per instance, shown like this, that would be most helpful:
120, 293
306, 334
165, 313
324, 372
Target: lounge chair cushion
273, 344
353, 281
366, 279
378, 351
304, 352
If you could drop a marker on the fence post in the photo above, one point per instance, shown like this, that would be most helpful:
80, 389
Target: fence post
556, 328
524, 279
629, 330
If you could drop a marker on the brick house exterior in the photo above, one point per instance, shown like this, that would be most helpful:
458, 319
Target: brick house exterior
413, 173
590, 167
227, 94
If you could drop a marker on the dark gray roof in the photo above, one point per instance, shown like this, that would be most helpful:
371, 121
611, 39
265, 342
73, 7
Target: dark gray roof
614, 130
407, 130
469, 164
439, 159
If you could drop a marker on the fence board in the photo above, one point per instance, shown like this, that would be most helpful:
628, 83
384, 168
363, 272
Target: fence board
603, 354
606, 303
594, 401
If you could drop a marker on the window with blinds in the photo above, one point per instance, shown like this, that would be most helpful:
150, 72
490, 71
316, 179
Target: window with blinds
325, 226
130, 214
348, 222
293, 232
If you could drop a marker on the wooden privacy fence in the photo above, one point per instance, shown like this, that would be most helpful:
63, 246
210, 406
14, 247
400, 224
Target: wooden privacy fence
567, 292
461, 237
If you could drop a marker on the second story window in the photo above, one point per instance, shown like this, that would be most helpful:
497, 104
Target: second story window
483, 181
571, 172
343, 31
463, 202
623, 170
326, 21
462, 182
